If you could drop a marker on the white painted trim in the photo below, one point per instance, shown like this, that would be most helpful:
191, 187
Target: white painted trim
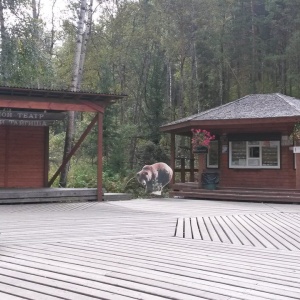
260, 166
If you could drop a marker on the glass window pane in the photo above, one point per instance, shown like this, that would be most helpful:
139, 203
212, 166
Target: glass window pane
270, 153
253, 151
238, 153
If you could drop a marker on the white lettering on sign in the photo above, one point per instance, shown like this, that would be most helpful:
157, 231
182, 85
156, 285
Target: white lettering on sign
30, 115
22, 115
5, 114
26, 122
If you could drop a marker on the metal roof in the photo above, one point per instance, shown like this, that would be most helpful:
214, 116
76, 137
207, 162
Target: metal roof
58, 94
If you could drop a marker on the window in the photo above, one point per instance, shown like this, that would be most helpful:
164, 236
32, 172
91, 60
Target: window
213, 155
254, 154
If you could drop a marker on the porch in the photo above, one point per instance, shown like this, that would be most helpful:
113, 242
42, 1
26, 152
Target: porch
44, 195
138, 250
192, 190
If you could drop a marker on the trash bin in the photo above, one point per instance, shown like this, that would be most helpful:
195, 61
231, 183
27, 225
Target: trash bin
210, 180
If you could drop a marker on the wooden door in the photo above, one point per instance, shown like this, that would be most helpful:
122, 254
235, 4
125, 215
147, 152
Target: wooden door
23, 160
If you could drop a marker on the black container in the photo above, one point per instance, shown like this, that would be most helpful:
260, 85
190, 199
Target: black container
210, 180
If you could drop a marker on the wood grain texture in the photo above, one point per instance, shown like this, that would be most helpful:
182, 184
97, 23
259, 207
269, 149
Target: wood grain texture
24, 156
127, 250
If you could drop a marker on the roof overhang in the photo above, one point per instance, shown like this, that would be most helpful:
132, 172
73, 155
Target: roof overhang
184, 128
25, 98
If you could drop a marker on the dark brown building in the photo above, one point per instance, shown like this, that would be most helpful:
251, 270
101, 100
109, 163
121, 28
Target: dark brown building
252, 148
25, 117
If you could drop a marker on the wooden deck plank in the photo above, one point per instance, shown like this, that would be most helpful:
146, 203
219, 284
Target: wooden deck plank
8, 296
192, 273
232, 235
187, 228
154, 258
22, 293
127, 250
203, 229
204, 284
179, 227
195, 229
220, 230
282, 237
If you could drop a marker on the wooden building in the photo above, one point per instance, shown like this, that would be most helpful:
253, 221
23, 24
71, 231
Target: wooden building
252, 151
25, 117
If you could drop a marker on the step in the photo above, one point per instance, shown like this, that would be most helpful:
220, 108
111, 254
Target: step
242, 191
236, 196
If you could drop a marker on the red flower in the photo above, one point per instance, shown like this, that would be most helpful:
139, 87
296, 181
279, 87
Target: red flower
201, 138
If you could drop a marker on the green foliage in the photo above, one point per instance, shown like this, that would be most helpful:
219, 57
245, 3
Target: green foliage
83, 174
172, 58
149, 153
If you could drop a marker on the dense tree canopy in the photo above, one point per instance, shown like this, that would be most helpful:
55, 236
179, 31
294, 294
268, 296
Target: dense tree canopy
172, 59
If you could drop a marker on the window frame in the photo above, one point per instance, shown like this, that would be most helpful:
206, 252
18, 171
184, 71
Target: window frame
257, 143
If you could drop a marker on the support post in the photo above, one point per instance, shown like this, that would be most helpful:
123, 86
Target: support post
297, 158
192, 163
182, 169
100, 154
173, 156
201, 167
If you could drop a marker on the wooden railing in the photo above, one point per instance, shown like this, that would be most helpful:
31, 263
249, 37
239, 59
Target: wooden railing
183, 166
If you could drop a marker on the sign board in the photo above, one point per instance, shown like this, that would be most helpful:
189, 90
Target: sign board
26, 122
29, 118
296, 149
30, 115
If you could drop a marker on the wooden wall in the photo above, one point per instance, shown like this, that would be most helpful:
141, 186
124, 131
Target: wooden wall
23, 156
284, 178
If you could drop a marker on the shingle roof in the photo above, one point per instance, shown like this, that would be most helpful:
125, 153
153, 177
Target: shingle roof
250, 107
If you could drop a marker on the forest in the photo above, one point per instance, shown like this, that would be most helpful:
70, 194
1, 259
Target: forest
172, 58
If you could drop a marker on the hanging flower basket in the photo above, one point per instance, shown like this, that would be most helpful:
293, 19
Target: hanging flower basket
200, 149
201, 140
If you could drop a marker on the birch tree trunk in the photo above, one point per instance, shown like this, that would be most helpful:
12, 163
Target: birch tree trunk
52, 29
74, 87
86, 36
3, 44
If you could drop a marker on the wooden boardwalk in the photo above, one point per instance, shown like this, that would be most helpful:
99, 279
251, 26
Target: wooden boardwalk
150, 249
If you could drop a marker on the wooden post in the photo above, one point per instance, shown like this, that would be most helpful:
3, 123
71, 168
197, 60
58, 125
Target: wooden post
201, 167
100, 154
182, 169
297, 158
192, 163
46, 157
173, 156
192, 169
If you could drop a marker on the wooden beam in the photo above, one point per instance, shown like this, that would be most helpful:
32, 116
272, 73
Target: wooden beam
100, 154
95, 106
185, 127
45, 105
74, 149
46, 156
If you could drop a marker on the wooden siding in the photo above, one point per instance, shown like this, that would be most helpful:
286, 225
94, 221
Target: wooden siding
2, 155
284, 178
22, 156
